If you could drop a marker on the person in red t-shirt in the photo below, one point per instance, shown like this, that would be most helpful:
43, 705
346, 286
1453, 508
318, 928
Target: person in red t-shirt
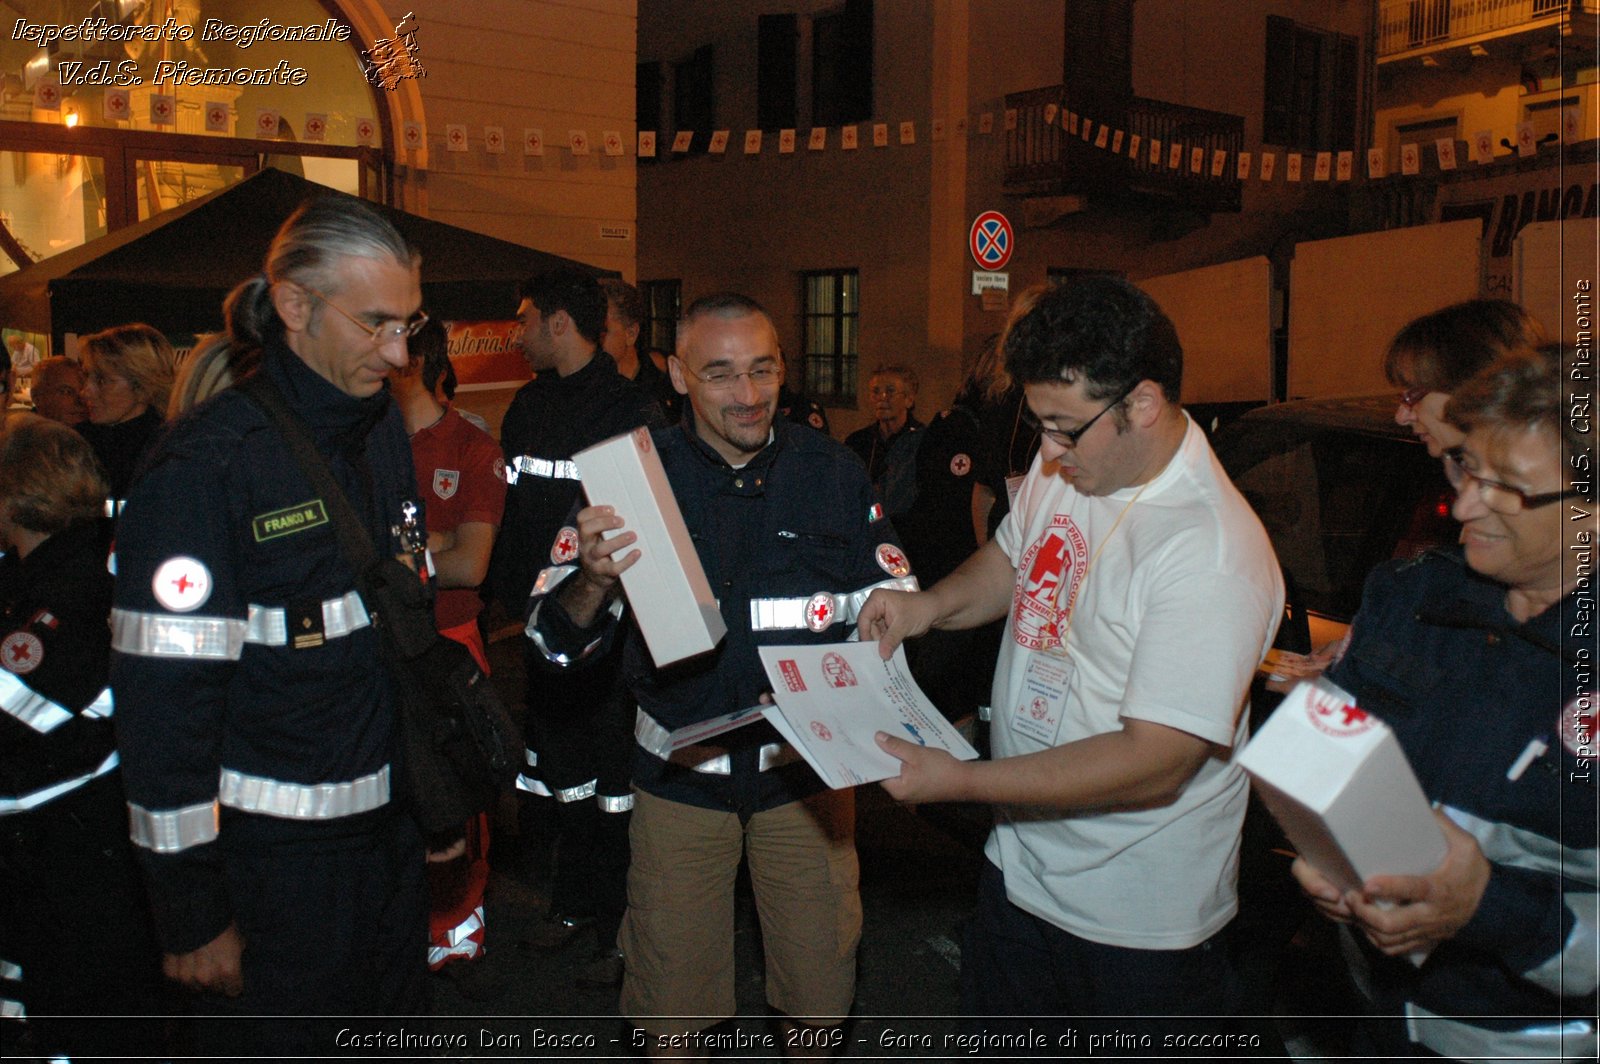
461, 477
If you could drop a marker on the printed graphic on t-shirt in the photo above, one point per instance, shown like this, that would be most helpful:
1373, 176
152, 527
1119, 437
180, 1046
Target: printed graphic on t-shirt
1060, 553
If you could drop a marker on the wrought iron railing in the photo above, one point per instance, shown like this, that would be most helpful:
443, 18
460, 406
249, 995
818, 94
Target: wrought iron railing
1043, 157
1407, 24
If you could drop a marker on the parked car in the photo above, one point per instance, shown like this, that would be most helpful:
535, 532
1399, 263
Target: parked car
1340, 488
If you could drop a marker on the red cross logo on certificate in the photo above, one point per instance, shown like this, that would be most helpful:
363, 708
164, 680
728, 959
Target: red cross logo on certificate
1337, 718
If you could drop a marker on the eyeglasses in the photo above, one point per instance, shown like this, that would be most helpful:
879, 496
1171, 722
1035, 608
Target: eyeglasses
885, 390
1412, 396
385, 332
721, 380
1499, 497
1070, 437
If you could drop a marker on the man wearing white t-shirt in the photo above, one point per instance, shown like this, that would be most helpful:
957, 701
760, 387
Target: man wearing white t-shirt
1141, 593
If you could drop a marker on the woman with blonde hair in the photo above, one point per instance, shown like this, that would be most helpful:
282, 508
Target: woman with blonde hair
128, 374
213, 365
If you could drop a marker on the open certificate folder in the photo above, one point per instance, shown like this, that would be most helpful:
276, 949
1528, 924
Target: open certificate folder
831, 699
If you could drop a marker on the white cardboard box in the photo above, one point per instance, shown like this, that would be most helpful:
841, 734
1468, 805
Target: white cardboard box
667, 588
1336, 779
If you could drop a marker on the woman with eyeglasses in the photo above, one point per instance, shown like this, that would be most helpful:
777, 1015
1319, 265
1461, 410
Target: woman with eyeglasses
1481, 659
128, 374
1433, 354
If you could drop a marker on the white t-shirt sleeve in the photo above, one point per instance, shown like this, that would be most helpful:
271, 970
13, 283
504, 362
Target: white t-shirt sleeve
1200, 639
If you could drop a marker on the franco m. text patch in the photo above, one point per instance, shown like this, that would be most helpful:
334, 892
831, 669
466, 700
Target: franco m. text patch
289, 520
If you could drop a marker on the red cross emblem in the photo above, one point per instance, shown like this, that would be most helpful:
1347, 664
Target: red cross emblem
566, 546
1338, 718
48, 94
579, 142
534, 142
314, 127
116, 102
1039, 709
1525, 137
1577, 725
456, 136
613, 143
960, 465
267, 122
216, 117
413, 135
161, 107
892, 560
445, 482
819, 611
364, 130
21, 652
181, 584
493, 138
821, 731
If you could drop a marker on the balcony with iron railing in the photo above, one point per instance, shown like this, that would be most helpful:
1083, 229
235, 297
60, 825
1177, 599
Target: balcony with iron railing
1407, 27
1042, 158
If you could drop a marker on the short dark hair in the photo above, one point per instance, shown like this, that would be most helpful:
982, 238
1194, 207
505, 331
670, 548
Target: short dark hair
432, 346
1526, 392
626, 298
573, 291
49, 477
1440, 350
1100, 330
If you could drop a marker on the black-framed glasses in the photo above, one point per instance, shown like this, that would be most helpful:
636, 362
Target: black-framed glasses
1412, 396
721, 380
385, 332
1500, 497
1069, 437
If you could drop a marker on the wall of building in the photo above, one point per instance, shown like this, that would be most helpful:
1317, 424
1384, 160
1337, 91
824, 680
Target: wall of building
554, 66
1210, 56
754, 223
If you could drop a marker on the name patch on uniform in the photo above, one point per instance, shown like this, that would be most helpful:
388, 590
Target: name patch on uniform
289, 520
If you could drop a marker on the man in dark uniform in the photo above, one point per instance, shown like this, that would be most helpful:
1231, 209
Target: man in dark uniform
577, 399
256, 723
624, 316
785, 525
888, 446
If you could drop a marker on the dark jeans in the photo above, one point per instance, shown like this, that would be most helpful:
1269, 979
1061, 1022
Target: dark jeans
335, 925
1021, 974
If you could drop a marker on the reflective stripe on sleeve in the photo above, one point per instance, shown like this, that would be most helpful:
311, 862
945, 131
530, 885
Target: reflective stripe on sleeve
615, 803
29, 706
167, 635
173, 830
1572, 1039
34, 799
545, 468
533, 785
578, 793
791, 614
699, 757
303, 801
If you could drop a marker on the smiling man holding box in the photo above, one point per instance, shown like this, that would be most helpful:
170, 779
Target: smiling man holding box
785, 526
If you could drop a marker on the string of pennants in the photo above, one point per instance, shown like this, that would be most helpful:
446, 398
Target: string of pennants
1176, 156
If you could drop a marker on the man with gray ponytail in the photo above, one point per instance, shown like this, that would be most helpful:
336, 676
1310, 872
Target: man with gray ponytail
256, 725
